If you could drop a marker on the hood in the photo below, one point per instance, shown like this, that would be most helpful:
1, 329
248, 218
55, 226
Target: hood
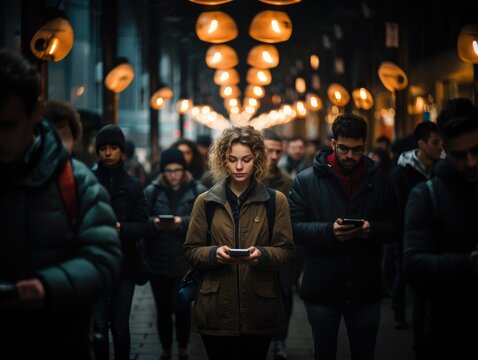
409, 158
322, 168
45, 156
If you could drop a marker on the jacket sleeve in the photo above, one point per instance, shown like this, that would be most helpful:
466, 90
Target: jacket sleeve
425, 265
198, 254
387, 227
281, 249
309, 233
94, 266
185, 218
138, 226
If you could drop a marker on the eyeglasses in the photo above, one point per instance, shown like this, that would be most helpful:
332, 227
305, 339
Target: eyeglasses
344, 149
461, 155
173, 171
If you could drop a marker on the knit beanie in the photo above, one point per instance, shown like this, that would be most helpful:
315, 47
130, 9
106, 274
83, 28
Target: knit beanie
171, 156
110, 135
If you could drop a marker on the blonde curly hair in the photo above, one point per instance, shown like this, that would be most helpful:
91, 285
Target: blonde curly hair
221, 148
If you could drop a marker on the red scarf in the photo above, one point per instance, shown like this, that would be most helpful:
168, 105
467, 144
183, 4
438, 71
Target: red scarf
350, 180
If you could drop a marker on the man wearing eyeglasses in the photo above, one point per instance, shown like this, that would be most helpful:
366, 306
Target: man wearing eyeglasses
342, 270
440, 242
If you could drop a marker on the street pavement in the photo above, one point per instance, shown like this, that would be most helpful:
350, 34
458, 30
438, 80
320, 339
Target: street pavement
391, 344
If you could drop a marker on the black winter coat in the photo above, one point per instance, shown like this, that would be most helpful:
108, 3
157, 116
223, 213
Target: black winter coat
347, 272
76, 265
129, 205
165, 247
438, 243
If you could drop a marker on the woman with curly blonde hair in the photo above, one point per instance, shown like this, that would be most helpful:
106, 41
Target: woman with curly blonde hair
239, 304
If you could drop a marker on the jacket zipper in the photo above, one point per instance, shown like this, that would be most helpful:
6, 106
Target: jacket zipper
236, 244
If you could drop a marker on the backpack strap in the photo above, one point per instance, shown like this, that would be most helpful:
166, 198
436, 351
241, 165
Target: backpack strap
209, 207
67, 186
271, 212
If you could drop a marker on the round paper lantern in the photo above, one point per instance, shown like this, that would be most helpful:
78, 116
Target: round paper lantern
119, 77
363, 99
259, 77
221, 57
263, 57
468, 44
271, 26
392, 76
215, 27
53, 41
226, 77
338, 95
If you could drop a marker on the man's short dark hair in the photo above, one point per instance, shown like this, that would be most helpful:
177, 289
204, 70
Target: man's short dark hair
297, 138
269, 134
458, 117
423, 131
19, 78
384, 139
349, 126
61, 113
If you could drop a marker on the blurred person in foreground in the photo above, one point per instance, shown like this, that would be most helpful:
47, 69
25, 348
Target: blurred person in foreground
66, 120
413, 167
56, 265
440, 243
239, 305
342, 262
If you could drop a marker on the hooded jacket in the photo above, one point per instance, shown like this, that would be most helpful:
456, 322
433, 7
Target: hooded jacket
239, 299
76, 266
347, 272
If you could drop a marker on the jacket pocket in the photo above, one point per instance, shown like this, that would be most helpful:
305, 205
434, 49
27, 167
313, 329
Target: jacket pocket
207, 311
266, 311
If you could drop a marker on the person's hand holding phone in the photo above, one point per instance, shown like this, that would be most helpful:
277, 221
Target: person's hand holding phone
167, 222
224, 255
346, 229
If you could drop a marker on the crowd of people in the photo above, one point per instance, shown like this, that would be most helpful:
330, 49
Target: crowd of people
254, 216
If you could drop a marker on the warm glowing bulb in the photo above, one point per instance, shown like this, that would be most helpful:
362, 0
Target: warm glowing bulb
250, 110
267, 57
314, 62
262, 77
363, 94
338, 95
252, 102
216, 57
314, 102
54, 44
212, 26
228, 91
235, 110
257, 90
475, 46
225, 76
233, 102
159, 101
275, 26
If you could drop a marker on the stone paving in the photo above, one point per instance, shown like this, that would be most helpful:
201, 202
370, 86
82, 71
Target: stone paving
391, 344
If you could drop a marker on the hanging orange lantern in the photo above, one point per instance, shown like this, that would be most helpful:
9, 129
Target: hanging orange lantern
258, 77
226, 77
229, 91
221, 57
255, 91
281, 2
216, 27
271, 27
338, 95
263, 57
363, 99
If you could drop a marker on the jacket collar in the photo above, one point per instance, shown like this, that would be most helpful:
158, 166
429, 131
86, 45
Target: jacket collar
218, 193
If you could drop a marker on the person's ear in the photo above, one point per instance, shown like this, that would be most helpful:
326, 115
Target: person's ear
333, 142
38, 110
421, 144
